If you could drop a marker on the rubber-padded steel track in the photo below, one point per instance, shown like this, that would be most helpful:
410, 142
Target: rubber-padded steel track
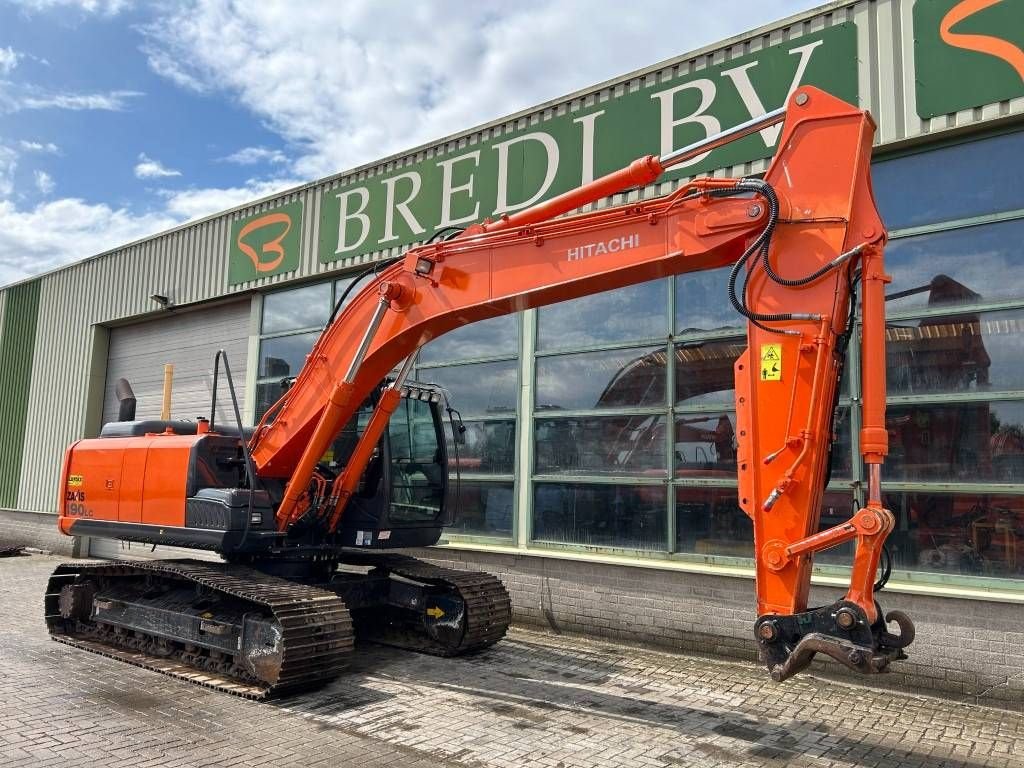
316, 628
488, 607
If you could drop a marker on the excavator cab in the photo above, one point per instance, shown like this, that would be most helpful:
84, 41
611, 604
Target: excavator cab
401, 500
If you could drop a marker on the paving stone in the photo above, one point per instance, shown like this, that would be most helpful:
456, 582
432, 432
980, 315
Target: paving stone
536, 699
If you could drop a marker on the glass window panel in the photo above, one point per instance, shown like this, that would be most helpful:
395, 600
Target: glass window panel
482, 508
958, 267
961, 442
709, 521
489, 447
614, 379
702, 302
417, 472
633, 312
978, 534
267, 394
479, 389
486, 338
705, 445
964, 353
916, 190
836, 508
627, 516
601, 445
342, 284
704, 371
306, 307
284, 356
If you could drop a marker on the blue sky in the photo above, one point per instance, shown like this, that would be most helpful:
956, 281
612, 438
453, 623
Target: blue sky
120, 119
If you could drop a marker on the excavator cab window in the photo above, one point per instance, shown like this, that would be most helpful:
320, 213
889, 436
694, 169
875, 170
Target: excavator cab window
418, 472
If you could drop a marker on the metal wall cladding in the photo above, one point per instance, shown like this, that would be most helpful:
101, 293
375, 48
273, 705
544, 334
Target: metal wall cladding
190, 264
17, 340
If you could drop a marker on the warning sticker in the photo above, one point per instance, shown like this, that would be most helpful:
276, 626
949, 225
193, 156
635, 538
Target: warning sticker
75, 481
771, 362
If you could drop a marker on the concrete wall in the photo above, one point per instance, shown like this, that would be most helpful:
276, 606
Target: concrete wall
967, 649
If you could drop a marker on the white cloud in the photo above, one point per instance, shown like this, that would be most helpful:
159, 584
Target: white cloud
148, 168
57, 232
47, 148
61, 231
112, 101
8, 162
255, 155
8, 60
401, 74
102, 7
44, 182
196, 203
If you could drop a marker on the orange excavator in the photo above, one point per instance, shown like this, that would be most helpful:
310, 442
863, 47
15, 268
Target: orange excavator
351, 464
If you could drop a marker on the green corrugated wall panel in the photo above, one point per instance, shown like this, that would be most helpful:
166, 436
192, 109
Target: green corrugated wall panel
17, 342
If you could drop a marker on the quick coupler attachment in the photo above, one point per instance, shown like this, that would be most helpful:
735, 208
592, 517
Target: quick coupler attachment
786, 644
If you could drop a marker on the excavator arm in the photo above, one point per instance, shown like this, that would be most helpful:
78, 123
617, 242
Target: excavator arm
800, 241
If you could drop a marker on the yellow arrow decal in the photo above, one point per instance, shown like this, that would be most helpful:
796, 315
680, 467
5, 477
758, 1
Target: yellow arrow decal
435, 613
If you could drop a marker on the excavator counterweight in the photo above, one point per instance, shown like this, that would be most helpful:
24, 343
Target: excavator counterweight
352, 460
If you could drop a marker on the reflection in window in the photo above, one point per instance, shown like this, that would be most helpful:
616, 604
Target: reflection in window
915, 190
284, 356
957, 267
709, 521
702, 302
343, 284
478, 389
705, 445
625, 314
962, 353
704, 371
980, 534
629, 516
619, 378
481, 508
486, 338
601, 445
306, 307
267, 393
489, 447
837, 507
962, 442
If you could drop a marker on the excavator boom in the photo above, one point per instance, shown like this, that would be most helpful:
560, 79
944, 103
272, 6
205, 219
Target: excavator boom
800, 241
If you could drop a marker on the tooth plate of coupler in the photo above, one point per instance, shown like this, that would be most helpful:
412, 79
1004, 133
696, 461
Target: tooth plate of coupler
488, 609
315, 629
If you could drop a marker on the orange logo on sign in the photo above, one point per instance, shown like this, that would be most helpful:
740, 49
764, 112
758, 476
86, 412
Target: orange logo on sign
988, 44
271, 246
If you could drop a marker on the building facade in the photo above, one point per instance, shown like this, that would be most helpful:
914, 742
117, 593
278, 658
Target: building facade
598, 473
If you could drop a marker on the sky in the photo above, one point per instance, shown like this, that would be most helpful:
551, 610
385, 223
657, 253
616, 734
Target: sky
120, 119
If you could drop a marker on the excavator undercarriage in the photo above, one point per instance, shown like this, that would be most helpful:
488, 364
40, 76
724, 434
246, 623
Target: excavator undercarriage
236, 629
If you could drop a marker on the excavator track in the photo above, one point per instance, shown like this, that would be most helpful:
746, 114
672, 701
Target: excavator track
465, 611
292, 637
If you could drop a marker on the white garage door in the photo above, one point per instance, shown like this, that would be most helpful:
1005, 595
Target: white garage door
188, 341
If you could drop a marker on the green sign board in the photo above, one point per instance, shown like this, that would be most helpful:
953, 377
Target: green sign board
967, 53
265, 244
513, 169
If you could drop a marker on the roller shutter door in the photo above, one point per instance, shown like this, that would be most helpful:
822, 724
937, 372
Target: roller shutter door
188, 341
